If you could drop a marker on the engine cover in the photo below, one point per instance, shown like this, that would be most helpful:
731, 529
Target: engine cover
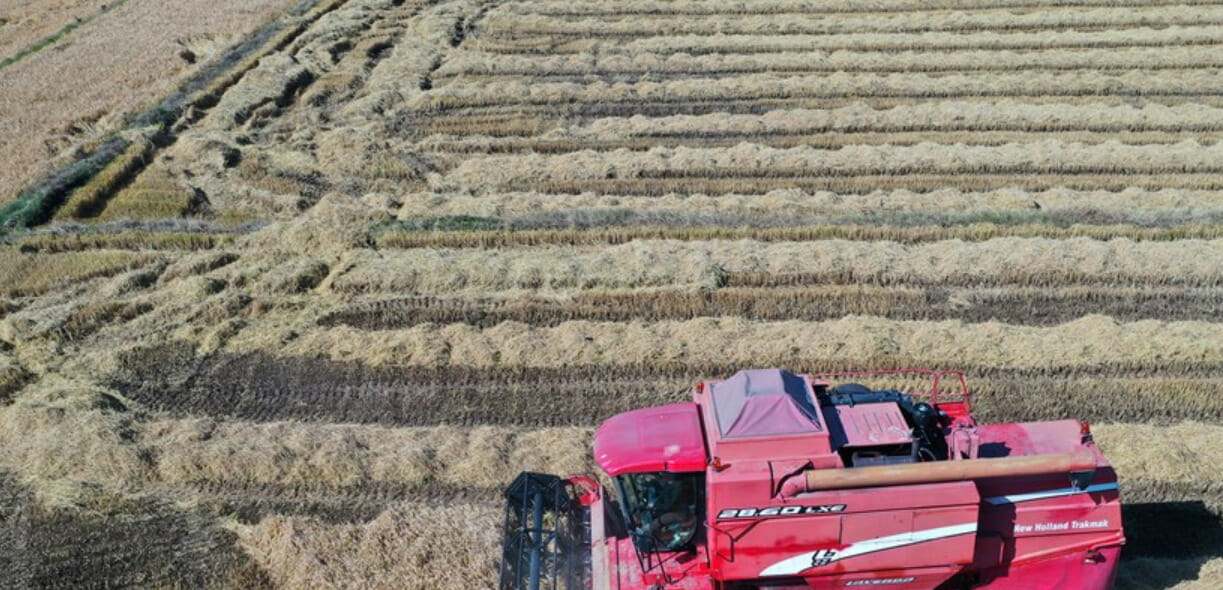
867, 425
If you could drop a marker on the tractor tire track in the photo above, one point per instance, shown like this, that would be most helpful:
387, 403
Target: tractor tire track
123, 542
1021, 306
265, 388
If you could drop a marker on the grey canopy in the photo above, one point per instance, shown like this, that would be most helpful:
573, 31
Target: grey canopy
764, 402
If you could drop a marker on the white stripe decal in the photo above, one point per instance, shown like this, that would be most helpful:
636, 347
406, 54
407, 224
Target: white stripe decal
1016, 498
798, 563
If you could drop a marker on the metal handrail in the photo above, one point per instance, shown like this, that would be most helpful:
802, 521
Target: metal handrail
730, 542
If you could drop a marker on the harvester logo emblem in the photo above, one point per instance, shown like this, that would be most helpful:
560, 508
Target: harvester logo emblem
823, 557
780, 511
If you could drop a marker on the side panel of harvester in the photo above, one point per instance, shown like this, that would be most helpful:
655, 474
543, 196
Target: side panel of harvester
920, 534
1027, 522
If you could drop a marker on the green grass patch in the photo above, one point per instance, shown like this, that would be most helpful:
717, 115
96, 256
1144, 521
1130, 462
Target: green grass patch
38, 204
24, 274
154, 194
91, 198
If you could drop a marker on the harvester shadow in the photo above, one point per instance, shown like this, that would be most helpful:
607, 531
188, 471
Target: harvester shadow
1168, 542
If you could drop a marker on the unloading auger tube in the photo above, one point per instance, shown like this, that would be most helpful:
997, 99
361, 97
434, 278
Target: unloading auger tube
814, 480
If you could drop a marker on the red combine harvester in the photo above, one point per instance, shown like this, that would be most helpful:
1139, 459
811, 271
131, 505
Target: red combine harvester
774, 481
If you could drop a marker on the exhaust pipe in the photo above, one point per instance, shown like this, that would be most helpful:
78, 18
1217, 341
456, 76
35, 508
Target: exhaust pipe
816, 480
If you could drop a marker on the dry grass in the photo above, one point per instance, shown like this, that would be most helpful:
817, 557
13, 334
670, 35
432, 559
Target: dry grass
833, 86
31, 274
805, 24
92, 317
275, 77
935, 115
154, 194
413, 546
90, 199
727, 181
259, 387
699, 7
104, 75
975, 232
292, 28
1173, 454
486, 138
26, 22
114, 448
579, 64
123, 240
58, 430
288, 453
592, 193
794, 203
702, 44
956, 121
195, 264
1087, 341
12, 377
645, 263
1022, 305
750, 161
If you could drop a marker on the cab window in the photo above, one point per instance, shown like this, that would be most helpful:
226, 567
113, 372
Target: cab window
663, 509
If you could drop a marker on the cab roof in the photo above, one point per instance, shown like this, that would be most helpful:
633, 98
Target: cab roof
665, 438
764, 402
764, 415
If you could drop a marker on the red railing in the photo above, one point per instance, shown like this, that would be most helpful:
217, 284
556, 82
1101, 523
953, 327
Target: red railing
936, 394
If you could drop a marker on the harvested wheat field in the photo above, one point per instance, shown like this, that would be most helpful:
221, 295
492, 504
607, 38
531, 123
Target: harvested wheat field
73, 71
278, 278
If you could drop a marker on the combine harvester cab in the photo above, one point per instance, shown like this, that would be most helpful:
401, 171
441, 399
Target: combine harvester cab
775, 481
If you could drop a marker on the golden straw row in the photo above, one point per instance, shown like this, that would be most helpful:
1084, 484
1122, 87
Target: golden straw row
1151, 84
470, 63
793, 203
926, 116
498, 173
698, 7
926, 41
41, 444
1091, 340
783, 24
658, 263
